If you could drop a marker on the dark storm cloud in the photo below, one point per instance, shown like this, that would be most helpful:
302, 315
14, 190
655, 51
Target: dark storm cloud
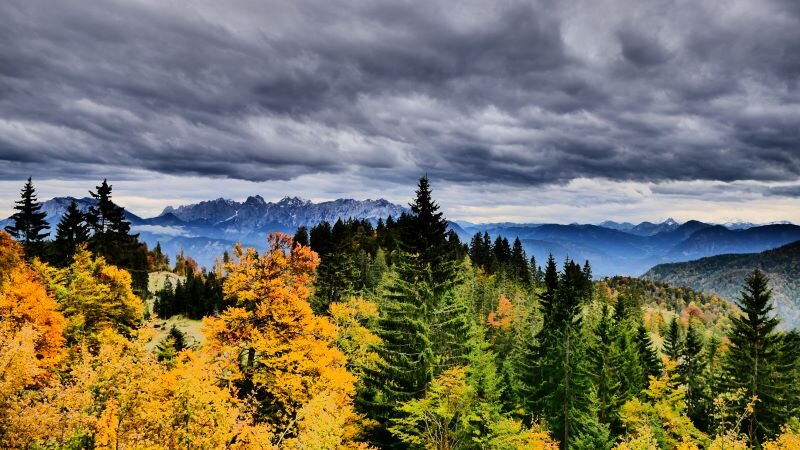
785, 191
512, 92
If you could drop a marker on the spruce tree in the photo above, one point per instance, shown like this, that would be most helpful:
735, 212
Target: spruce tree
673, 342
519, 262
604, 368
691, 374
30, 224
301, 236
648, 356
422, 322
755, 361
559, 374
71, 231
112, 237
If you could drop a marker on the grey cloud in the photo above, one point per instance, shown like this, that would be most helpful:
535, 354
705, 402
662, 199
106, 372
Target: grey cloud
513, 92
785, 191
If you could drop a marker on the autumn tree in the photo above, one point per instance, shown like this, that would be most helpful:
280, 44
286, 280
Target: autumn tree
30, 331
121, 397
280, 355
660, 420
459, 412
94, 296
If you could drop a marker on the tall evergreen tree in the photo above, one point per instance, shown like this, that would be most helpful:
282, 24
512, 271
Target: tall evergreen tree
559, 374
691, 374
755, 362
519, 263
604, 368
30, 224
421, 322
648, 356
673, 341
112, 237
71, 231
301, 236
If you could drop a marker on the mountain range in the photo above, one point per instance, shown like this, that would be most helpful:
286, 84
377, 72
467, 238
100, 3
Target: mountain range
205, 229
613, 251
724, 275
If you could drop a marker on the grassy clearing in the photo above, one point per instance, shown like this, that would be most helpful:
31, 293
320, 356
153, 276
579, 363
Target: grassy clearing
192, 329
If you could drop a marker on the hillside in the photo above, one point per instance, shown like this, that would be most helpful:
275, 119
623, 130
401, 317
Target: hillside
662, 301
724, 275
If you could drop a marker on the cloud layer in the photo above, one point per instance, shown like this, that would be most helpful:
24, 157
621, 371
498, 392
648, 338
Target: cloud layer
517, 93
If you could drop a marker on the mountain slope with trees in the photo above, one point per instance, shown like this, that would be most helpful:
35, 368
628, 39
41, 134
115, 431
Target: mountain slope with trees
723, 274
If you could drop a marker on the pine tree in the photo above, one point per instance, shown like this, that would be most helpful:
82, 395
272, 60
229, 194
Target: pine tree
169, 347
71, 231
547, 298
30, 222
690, 372
605, 361
112, 237
673, 342
106, 218
479, 252
648, 357
422, 322
558, 374
301, 236
754, 360
407, 357
519, 262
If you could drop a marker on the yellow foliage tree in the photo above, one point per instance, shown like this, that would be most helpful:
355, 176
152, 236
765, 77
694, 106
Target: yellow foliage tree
661, 422
353, 337
24, 303
279, 353
503, 316
94, 296
789, 439
10, 255
451, 415
121, 397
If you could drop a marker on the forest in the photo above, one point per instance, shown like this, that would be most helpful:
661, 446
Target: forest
354, 335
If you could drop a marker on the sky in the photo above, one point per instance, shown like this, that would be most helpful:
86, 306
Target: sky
534, 111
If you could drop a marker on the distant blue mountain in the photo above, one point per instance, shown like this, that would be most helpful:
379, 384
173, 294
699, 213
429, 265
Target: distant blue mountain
205, 229
612, 250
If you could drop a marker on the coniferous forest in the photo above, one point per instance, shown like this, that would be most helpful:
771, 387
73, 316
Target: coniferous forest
356, 334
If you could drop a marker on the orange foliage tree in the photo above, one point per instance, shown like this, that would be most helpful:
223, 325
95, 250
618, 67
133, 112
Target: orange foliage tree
281, 356
31, 340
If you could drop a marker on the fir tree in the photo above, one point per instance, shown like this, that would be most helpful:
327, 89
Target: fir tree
71, 231
648, 357
112, 239
673, 342
301, 236
422, 323
30, 224
754, 360
690, 372
558, 374
605, 365
169, 347
519, 262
